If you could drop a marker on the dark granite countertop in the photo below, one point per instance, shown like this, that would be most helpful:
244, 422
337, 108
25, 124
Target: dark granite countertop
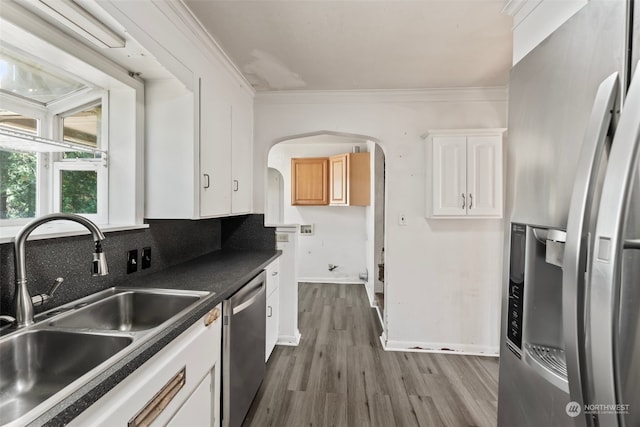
222, 272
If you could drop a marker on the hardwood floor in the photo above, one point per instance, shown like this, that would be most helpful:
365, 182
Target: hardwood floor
339, 375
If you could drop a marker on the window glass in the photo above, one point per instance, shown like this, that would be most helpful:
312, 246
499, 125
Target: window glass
79, 191
17, 185
14, 121
83, 127
20, 75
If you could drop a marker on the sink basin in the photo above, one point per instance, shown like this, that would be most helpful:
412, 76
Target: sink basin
131, 310
42, 364
37, 364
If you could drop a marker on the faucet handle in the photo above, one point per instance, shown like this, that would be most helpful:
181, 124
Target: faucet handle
7, 318
40, 299
56, 285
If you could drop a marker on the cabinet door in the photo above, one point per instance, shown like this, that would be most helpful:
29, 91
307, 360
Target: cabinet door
310, 181
241, 154
169, 146
215, 150
484, 175
449, 175
273, 322
359, 179
273, 307
197, 410
174, 373
338, 179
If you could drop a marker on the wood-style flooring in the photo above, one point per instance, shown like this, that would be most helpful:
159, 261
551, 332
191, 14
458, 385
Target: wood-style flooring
339, 375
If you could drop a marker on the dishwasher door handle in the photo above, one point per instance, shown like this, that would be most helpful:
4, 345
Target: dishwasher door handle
248, 299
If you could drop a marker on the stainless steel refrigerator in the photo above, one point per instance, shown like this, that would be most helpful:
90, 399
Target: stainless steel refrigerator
570, 347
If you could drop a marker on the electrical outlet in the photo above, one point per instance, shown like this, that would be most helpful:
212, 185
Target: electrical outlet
146, 257
132, 261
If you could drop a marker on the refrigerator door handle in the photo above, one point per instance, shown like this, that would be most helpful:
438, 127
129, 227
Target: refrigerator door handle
632, 244
606, 260
578, 232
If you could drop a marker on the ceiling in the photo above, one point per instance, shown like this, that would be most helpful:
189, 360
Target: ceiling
362, 44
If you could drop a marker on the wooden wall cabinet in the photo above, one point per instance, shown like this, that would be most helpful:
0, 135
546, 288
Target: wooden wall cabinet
465, 173
350, 179
309, 181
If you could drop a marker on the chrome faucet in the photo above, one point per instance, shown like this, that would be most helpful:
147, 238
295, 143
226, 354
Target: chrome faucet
22, 300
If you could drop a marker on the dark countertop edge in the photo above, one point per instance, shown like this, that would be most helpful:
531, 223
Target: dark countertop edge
73, 405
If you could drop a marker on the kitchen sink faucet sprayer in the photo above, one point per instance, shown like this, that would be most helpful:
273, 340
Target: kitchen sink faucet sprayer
22, 300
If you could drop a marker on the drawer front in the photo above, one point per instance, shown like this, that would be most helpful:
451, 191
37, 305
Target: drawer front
156, 387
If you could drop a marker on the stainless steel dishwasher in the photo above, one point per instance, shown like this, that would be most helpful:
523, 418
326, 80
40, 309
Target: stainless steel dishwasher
243, 349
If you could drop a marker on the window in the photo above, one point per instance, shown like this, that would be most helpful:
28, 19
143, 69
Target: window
53, 95
18, 171
80, 177
65, 172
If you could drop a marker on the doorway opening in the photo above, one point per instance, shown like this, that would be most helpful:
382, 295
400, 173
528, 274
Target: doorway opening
336, 243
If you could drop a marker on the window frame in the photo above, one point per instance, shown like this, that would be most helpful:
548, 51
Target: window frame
125, 116
39, 113
101, 215
67, 108
50, 124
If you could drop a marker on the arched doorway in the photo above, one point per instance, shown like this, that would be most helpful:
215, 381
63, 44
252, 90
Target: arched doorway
345, 244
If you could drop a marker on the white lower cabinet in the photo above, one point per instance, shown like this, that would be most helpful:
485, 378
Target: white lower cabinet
178, 386
197, 410
273, 307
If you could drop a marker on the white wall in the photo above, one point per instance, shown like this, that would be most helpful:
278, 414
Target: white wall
443, 277
340, 235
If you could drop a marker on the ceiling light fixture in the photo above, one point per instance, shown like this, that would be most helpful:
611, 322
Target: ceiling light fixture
74, 17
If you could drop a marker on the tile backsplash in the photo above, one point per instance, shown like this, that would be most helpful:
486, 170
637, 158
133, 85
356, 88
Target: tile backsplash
171, 242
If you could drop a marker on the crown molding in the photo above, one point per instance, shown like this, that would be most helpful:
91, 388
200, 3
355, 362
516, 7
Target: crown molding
479, 94
193, 28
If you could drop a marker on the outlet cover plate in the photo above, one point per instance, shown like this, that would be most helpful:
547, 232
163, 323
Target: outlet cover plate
132, 261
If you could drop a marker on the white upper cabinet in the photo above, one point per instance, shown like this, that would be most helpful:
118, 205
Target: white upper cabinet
449, 175
199, 126
215, 150
242, 154
464, 173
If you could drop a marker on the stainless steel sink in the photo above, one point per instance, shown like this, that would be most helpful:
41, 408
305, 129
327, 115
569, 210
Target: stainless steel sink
41, 364
131, 310
35, 365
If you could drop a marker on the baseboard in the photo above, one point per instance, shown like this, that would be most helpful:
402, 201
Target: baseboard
377, 308
339, 280
290, 340
445, 348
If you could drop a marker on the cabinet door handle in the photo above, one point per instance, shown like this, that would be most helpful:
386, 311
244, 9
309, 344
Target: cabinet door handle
270, 311
211, 316
151, 410
236, 185
207, 181
275, 273
470, 200
464, 201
